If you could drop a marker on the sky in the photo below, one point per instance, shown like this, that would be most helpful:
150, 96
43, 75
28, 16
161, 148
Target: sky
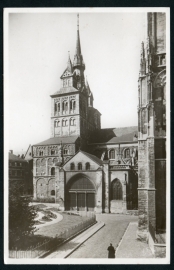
38, 45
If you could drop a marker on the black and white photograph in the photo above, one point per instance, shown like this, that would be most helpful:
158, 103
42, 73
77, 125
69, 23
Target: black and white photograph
87, 145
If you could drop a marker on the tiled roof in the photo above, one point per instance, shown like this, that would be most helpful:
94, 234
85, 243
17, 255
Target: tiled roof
15, 158
114, 135
65, 90
94, 158
58, 140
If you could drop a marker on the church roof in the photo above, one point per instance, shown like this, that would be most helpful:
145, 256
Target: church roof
114, 135
15, 158
58, 140
94, 158
65, 90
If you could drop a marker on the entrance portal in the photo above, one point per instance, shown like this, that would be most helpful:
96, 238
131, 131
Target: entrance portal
81, 195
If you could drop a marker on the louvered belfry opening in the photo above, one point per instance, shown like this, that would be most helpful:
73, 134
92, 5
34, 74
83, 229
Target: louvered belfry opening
81, 195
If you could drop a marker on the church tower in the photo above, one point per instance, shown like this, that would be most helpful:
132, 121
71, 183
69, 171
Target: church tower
152, 129
72, 111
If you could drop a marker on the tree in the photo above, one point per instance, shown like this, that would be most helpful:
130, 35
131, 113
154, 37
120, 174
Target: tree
21, 216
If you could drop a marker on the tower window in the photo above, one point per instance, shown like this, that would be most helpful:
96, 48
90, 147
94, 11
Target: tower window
112, 154
52, 192
52, 152
41, 153
65, 151
80, 166
72, 105
87, 166
52, 171
127, 153
72, 167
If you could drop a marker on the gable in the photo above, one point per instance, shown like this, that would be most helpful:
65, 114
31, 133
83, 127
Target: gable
66, 73
81, 157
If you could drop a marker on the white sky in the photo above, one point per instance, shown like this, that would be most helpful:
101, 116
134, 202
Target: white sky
38, 53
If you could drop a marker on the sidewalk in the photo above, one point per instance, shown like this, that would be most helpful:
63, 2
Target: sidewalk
66, 249
130, 247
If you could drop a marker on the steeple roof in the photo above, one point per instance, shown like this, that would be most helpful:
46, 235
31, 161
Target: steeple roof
69, 65
78, 58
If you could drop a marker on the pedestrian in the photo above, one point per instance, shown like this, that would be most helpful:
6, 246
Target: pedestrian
111, 251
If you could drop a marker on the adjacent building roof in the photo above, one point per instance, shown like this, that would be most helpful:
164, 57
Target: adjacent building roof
15, 158
65, 90
58, 140
114, 135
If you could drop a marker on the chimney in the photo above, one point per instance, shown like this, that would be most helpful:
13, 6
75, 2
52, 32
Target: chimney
11, 151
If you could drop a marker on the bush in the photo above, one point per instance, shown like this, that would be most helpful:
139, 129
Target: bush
21, 216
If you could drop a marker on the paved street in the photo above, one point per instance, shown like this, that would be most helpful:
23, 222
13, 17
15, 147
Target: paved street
112, 232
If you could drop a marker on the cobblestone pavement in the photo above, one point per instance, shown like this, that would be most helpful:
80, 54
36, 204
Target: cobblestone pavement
130, 247
112, 232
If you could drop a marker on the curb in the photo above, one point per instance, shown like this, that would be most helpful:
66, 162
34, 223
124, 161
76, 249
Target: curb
101, 226
119, 244
66, 241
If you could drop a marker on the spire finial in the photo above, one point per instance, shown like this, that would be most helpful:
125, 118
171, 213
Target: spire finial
78, 21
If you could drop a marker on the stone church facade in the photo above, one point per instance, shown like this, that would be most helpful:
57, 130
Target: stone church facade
83, 167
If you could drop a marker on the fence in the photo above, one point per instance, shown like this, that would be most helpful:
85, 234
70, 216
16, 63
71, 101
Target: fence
52, 244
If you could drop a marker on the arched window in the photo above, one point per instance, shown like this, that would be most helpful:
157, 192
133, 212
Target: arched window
112, 154
53, 192
52, 152
66, 123
52, 171
58, 107
87, 166
72, 167
41, 153
58, 123
80, 166
127, 153
63, 123
72, 122
116, 190
65, 106
65, 151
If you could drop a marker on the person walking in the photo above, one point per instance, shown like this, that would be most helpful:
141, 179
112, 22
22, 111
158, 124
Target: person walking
111, 251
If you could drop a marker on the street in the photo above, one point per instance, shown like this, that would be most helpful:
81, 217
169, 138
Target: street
112, 232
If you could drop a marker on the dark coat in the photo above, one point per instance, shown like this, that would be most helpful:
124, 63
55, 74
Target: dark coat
111, 252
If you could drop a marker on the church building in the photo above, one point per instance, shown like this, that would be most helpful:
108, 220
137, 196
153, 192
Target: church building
83, 167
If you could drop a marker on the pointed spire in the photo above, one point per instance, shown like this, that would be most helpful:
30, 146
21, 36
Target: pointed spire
78, 47
69, 64
78, 58
142, 50
142, 61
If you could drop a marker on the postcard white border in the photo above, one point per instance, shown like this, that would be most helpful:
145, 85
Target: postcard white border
6, 12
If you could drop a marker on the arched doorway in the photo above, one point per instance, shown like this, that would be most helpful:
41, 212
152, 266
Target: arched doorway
81, 194
116, 197
116, 190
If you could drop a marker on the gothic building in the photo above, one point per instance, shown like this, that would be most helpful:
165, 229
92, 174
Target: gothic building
81, 166
152, 130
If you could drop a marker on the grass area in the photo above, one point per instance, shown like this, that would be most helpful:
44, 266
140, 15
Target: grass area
67, 222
